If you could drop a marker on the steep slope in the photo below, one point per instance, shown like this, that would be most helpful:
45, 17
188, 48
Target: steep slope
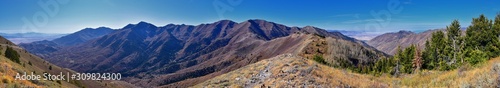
183, 55
389, 42
5, 41
29, 63
43, 48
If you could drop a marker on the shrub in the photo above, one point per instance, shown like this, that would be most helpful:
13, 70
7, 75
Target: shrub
476, 57
319, 59
12, 55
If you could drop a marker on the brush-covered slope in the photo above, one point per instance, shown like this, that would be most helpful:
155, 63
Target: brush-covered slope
289, 71
389, 42
30, 63
294, 71
183, 55
5, 41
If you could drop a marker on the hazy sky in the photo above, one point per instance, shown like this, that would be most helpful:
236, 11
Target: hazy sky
67, 16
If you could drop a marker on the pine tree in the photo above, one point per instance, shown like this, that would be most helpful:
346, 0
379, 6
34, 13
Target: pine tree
454, 33
435, 54
407, 61
495, 45
496, 25
479, 34
428, 56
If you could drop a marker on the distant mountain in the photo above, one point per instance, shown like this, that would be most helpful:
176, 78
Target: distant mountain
184, 55
30, 63
82, 36
389, 42
360, 35
30, 37
42, 48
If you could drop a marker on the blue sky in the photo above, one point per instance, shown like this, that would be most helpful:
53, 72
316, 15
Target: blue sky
355, 15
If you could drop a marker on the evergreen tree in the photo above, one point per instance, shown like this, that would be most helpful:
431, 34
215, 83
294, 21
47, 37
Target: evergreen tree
407, 59
495, 45
454, 33
477, 56
428, 56
12, 55
435, 54
480, 36
496, 25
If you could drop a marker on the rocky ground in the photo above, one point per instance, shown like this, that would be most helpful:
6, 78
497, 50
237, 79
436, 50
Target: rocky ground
287, 71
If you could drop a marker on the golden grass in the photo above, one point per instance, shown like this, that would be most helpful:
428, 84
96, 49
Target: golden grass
7, 76
480, 76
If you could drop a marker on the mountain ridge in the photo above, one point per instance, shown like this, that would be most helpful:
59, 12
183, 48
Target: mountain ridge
171, 55
389, 42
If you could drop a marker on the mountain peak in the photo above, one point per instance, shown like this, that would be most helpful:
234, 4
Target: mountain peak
141, 25
144, 23
258, 21
224, 21
311, 27
103, 27
405, 32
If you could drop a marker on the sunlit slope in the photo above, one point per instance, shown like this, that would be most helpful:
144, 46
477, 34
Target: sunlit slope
295, 71
10, 69
289, 71
27, 62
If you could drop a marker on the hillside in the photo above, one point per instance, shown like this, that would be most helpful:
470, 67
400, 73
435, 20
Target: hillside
183, 55
5, 41
45, 47
289, 70
389, 42
31, 63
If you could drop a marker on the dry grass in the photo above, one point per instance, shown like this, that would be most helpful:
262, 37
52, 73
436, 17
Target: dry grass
485, 75
8, 73
9, 69
289, 72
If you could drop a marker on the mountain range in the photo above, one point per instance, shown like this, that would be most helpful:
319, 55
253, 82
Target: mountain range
389, 42
27, 62
42, 48
29, 37
184, 55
